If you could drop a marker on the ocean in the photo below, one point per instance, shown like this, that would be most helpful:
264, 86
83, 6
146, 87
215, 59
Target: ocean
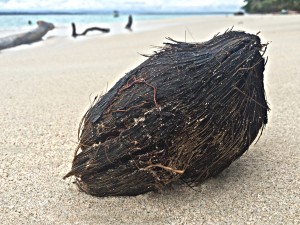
16, 23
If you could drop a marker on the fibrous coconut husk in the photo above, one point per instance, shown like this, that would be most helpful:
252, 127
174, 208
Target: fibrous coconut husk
187, 113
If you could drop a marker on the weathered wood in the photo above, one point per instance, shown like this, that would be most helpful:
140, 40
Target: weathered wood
27, 37
129, 23
187, 113
75, 34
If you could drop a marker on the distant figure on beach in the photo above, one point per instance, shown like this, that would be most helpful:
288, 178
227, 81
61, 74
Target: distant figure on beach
116, 13
129, 23
29, 22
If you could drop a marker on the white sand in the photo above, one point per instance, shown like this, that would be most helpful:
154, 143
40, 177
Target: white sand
45, 90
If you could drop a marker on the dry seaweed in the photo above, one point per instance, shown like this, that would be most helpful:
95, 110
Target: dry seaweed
187, 112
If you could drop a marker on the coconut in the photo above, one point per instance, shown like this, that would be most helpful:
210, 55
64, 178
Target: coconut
186, 113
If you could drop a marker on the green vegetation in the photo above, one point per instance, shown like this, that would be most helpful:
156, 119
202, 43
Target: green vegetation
270, 6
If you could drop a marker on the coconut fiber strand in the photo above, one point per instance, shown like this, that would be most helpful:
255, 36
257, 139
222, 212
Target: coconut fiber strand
186, 113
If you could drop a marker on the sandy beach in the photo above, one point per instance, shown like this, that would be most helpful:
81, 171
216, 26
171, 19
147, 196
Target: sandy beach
47, 87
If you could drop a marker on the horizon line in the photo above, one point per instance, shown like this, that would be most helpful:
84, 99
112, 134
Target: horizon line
82, 12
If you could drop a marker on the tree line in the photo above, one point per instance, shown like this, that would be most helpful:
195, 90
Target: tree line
271, 6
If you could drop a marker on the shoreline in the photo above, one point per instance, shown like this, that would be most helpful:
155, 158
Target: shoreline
117, 28
47, 87
63, 32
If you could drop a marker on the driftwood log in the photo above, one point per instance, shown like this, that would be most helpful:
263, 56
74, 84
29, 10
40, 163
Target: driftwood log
75, 34
186, 113
28, 37
129, 23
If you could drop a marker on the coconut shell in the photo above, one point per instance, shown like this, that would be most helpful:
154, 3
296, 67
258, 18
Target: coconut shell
186, 113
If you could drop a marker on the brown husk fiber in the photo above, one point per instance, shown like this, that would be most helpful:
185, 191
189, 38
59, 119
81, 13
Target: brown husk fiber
186, 113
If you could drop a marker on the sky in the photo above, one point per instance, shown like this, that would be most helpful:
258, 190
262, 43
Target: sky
123, 5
